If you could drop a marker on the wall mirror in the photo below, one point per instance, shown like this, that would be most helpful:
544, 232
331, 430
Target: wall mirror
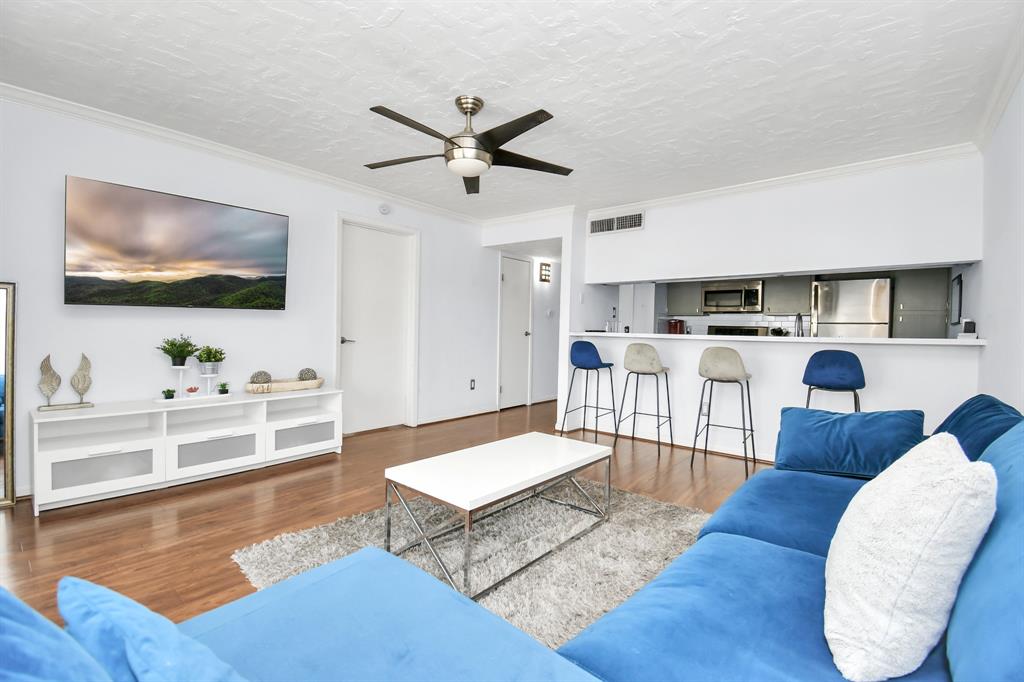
7, 395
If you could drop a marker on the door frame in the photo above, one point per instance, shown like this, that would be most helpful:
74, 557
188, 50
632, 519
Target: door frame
529, 353
412, 313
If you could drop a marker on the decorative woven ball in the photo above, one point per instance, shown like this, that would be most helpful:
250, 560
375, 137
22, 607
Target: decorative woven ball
307, 374
260, 377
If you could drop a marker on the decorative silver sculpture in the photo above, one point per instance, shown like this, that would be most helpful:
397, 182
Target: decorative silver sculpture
81, 381
50, 380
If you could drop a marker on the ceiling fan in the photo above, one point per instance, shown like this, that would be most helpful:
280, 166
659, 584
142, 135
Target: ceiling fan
471, 154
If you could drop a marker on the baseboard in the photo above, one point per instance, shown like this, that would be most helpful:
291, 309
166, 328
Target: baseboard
768, 462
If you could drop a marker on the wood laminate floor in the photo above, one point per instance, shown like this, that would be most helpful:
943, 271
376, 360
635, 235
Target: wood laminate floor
171, 549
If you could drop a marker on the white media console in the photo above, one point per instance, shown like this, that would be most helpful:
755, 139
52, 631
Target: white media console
128, 447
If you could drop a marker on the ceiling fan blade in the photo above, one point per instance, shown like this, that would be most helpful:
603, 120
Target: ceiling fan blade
472, 185
406, 121
504, 157
495, 137
407, 159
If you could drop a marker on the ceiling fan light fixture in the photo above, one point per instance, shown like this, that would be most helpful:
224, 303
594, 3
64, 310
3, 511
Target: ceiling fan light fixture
468, 168
469, 161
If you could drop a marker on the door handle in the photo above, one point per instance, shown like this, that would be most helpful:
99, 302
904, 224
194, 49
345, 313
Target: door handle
344, 340
526, 333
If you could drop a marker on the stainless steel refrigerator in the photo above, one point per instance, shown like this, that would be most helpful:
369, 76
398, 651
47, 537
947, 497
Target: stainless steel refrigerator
851, 308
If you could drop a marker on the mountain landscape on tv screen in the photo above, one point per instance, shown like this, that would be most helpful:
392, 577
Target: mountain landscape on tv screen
208, 291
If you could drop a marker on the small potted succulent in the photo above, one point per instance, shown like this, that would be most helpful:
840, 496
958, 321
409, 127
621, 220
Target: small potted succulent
178, 350
222, 388
168, 393
209, 358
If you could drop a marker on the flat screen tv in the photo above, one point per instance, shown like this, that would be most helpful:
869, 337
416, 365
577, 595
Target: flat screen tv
137, 247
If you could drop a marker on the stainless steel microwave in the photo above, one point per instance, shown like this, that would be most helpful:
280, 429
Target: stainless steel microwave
732, 297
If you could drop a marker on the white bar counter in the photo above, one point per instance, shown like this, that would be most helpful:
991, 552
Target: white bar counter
932, 375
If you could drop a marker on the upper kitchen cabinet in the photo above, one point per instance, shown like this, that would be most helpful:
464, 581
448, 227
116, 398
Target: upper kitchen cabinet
787, 295
921, 290
684, 298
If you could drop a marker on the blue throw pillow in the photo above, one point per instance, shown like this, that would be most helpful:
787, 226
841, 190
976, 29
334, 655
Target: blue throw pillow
133, 643
32, 649
978, 422
859, 444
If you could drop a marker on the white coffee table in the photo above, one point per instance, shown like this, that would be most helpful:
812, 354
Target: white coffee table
476, 480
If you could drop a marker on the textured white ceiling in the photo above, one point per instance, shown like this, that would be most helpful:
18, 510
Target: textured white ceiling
649, 99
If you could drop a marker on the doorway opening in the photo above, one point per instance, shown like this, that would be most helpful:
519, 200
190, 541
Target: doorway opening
530, 294
376, 335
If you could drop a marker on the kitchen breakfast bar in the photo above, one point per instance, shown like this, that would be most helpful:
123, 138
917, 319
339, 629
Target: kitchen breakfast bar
926, 374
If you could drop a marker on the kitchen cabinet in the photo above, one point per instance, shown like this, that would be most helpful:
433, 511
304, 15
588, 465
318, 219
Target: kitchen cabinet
919, 324
684, 298
787, 295
921, 290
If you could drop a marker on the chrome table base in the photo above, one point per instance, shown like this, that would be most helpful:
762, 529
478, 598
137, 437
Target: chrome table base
469, 517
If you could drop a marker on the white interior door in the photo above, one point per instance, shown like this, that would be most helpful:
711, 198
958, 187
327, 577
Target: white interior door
375, 324
514, 373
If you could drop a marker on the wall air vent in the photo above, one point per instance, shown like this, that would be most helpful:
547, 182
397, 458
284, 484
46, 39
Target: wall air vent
630, 221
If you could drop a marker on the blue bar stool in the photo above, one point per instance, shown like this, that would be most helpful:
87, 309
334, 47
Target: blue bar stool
834, 370
642, 359
720, 365
584, 356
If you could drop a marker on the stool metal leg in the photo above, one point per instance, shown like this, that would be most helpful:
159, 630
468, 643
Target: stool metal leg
586, 396
743, 427
597, 402
636, 397
753, 440
668, 401
622, 416
657, 409
696, 429
707, 426
568, 399
611, 383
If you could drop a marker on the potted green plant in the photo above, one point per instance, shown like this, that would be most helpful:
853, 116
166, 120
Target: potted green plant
222, 388
209, 358
168, 393
178, 350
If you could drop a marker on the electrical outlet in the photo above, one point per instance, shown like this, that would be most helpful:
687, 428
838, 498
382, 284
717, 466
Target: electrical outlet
472, 384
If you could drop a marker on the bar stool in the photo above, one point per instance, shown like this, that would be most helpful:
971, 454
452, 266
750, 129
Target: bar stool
834, 370
642, 359
724, 366
583, 355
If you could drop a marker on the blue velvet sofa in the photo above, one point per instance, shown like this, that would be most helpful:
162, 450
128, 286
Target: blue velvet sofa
746, 602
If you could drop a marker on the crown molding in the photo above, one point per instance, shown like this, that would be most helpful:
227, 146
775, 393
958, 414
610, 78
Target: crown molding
40, 100
526, 217
1009, 78
939, 153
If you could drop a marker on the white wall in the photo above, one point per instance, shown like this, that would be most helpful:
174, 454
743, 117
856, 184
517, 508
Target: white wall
458, 317
545, 341
919, 213
998, 301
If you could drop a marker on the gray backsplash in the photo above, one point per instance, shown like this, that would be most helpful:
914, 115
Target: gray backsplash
698, 324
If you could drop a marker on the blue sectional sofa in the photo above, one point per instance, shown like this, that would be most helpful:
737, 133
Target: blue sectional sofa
746, 602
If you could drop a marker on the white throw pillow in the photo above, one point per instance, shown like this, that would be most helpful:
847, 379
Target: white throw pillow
899, 552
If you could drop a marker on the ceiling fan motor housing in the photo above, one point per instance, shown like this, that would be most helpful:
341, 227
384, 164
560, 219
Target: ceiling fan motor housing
463, 153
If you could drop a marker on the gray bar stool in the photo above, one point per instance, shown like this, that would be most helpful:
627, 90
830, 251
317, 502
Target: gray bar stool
724, 366
642, 359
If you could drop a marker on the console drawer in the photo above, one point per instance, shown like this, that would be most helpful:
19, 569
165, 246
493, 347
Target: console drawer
212, 451
302, 436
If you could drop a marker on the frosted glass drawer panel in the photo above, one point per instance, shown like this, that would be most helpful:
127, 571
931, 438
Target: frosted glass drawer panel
297, 436
91, 470
217, 450
214, 451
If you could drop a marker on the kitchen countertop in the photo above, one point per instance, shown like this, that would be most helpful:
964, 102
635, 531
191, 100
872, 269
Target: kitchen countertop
972, 343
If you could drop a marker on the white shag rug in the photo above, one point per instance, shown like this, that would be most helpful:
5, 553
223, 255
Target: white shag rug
554, 599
